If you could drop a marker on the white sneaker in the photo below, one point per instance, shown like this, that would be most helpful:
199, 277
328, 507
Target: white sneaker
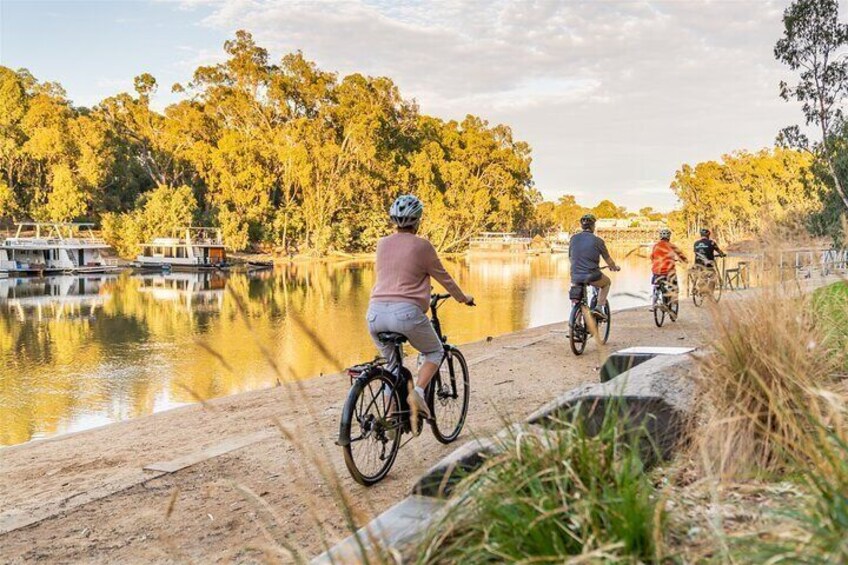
419, 404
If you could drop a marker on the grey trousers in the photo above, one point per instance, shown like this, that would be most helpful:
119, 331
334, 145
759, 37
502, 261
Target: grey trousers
407, 319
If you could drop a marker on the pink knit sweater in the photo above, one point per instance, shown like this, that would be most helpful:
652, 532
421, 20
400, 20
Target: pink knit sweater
405, 263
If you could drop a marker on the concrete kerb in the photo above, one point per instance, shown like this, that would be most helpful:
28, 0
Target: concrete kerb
401, 524
656, 396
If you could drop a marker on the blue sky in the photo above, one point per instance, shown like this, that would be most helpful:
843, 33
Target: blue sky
95, 48
612, 96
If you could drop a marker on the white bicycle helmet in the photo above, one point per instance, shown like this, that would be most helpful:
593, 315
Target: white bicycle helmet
665, 233
406, 211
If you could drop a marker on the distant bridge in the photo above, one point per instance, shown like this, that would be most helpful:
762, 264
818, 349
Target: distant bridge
627, 235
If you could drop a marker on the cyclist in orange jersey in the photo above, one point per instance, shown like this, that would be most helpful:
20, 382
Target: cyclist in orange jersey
664, 255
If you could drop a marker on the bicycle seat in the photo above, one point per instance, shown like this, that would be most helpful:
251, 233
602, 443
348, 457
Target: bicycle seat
393, 338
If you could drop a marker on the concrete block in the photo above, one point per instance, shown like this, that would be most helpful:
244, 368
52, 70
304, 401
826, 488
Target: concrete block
399, 525
229, 444
625, 359
655, 398
440, 479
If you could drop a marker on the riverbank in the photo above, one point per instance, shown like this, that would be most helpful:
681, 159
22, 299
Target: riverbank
228, 486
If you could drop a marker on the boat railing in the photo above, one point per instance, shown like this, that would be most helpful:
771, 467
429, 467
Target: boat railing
508, 239
65, 242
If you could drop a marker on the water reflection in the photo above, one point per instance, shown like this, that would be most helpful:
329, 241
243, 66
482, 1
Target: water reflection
77, 352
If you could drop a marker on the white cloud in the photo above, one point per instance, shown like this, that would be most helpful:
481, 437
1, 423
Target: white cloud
609, 94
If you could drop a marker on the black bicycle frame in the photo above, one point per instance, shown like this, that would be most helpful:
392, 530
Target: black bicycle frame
437, 326
399, 379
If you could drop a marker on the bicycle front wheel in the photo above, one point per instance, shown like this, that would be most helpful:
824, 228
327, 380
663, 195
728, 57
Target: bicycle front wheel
578, 333
717, 286
697, 291
604, 325
370, 433
448, 396
659, 312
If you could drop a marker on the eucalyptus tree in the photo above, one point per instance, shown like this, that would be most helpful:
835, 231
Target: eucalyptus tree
814, 43
54, 159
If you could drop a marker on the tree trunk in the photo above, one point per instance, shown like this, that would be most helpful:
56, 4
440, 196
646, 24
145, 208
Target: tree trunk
838, 185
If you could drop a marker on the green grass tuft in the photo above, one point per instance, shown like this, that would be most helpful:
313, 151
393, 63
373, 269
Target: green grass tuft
549, 498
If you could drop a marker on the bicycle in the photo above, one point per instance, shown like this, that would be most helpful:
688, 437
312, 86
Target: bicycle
706, 281
665, 301
580, 331
376, 413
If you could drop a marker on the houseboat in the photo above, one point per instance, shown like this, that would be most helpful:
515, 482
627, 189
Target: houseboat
192, 249
560, 242
498, 242
48, 248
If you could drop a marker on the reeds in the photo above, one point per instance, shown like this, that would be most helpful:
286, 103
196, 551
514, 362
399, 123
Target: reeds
563, 495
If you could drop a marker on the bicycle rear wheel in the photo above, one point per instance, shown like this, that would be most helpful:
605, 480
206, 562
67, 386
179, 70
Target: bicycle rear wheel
448, 396
369, 436
579, 333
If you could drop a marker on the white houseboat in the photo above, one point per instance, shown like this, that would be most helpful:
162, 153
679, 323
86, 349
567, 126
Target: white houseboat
45, 248
499, 242
187, 249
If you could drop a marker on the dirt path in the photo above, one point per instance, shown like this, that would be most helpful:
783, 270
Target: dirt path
94, 502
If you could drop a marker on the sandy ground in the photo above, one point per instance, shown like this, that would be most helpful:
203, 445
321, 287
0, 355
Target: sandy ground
95, 503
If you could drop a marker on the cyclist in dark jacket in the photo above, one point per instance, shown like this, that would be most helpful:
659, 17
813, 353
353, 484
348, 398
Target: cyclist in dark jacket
705, 268
706, 250
585, 251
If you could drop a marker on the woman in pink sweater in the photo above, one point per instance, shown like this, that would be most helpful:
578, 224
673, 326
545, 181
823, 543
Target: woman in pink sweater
401, 295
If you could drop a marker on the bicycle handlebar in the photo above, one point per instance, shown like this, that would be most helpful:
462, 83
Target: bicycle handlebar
436, 298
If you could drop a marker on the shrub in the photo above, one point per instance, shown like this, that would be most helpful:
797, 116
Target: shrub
544, 500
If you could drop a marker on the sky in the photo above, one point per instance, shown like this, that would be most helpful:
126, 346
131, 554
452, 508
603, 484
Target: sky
612, 96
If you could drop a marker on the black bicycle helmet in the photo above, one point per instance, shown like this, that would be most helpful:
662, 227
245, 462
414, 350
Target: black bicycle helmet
705, 232
587, 222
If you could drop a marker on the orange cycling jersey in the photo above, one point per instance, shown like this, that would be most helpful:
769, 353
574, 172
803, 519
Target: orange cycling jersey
663, 257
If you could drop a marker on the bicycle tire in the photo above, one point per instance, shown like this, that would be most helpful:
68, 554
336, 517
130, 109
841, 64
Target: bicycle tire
604, 325
578, 333
440, 395
697, 296
717, 289
370, 426
659, 311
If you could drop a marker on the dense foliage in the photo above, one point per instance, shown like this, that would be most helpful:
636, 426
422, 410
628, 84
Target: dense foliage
813, 45
745, 193
281, 154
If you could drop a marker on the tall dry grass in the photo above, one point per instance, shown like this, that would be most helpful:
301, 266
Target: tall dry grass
773, 391
770, 356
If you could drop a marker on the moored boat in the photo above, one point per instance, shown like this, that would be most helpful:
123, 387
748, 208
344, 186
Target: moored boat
190, 248
42, 248
498, 242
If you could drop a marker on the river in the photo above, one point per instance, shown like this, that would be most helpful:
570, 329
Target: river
79, 352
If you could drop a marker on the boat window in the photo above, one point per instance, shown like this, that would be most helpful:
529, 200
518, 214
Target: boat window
169, 252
